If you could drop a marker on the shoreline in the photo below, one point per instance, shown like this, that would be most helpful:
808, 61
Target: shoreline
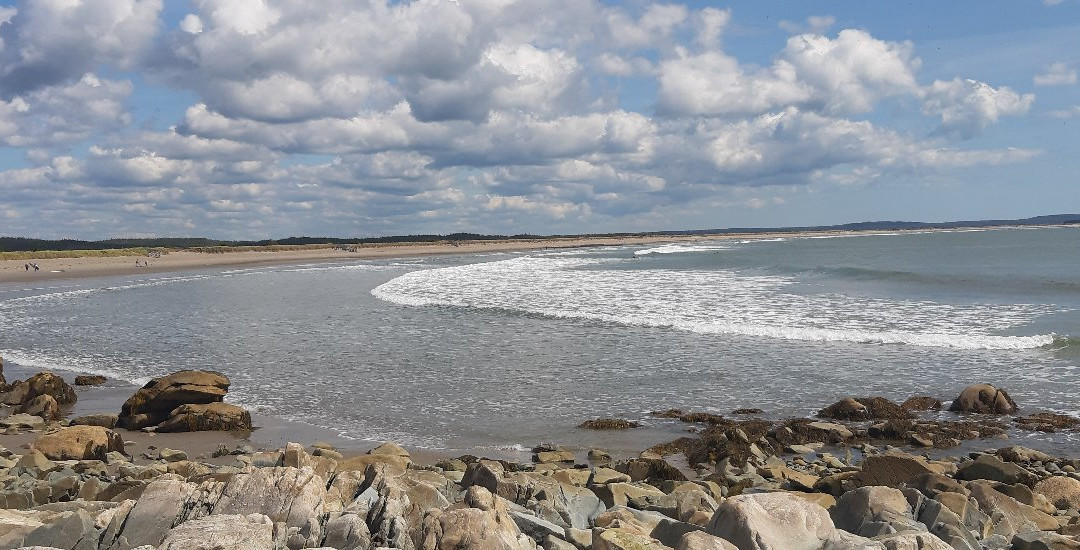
13, 271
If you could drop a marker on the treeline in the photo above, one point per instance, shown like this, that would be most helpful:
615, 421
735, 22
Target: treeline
22, 244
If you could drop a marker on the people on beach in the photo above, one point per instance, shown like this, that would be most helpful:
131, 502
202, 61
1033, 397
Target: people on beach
27, 266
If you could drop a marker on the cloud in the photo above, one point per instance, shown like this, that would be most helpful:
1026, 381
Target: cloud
359, 118
815, 24
968, 106
1058, 74
63, 114
1071, 112
52, 42
848, 74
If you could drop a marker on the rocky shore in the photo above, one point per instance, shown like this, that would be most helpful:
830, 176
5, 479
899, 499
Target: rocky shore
852, 478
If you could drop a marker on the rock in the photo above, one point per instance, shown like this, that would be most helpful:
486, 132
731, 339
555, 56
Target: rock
536, 528
599, 455
985, 399
922, 440
609, 424
1017, 453
43, 383
389, 449
700, 540
873, 511
865, 408
772, 521
652, 470
485, 525
796, 479
1009, 515
914, 541
103, 420
347, 531
931, 484
620, 538
557, 502
89, 380
44, 406
222, 532
836, 431
3, 381
1023, 494
620, 494
23, 420
992, 468
221, 417
172, 455
34, 459
1038, 540
66, 530
948, 526
553, 457
291, 496
891, 470
153, 403
921, 403
79, 443
1062, 491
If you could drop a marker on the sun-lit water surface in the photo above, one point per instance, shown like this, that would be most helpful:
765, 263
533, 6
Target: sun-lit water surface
506, 350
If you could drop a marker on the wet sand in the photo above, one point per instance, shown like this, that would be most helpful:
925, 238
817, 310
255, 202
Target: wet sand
64, 268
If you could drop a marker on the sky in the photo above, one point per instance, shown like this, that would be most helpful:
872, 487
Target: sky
252, 119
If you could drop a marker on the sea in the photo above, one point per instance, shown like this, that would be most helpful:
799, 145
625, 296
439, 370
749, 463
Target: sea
494, 353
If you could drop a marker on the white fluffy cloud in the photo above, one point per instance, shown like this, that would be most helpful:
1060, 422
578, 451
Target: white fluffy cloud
968, 106
364, 117
63, 114
49, 42
846, 74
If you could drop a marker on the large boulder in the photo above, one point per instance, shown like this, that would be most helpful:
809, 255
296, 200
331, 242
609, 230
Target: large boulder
153, 403
44, 406
42, 383
483, 525
210, 417
79, 443
295, 497
985, 399
874, 511
992, 468
891, 470
772, 521
222, 532
1010, 516
1062, 491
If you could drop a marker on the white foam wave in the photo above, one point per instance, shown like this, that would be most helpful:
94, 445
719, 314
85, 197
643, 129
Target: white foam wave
710, 302
680, 249
71, 364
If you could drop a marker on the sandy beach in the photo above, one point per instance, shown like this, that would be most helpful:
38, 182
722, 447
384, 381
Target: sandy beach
179, 260
62, 268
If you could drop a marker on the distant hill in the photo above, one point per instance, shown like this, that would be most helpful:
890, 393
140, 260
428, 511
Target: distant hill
22, 244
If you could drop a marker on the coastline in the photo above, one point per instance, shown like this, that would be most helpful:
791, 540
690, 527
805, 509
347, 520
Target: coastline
13, 270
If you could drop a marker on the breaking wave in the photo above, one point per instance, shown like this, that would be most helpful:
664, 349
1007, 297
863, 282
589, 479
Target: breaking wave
711, 302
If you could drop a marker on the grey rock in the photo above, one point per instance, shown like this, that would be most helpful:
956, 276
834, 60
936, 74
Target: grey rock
874, 511
223, 532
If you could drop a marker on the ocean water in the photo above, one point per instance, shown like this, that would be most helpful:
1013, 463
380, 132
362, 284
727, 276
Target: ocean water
499, 352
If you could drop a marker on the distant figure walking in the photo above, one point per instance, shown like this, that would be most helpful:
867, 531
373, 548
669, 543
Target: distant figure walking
35, 266
27, 266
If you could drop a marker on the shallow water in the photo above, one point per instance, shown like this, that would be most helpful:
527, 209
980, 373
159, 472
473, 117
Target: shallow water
502, 351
